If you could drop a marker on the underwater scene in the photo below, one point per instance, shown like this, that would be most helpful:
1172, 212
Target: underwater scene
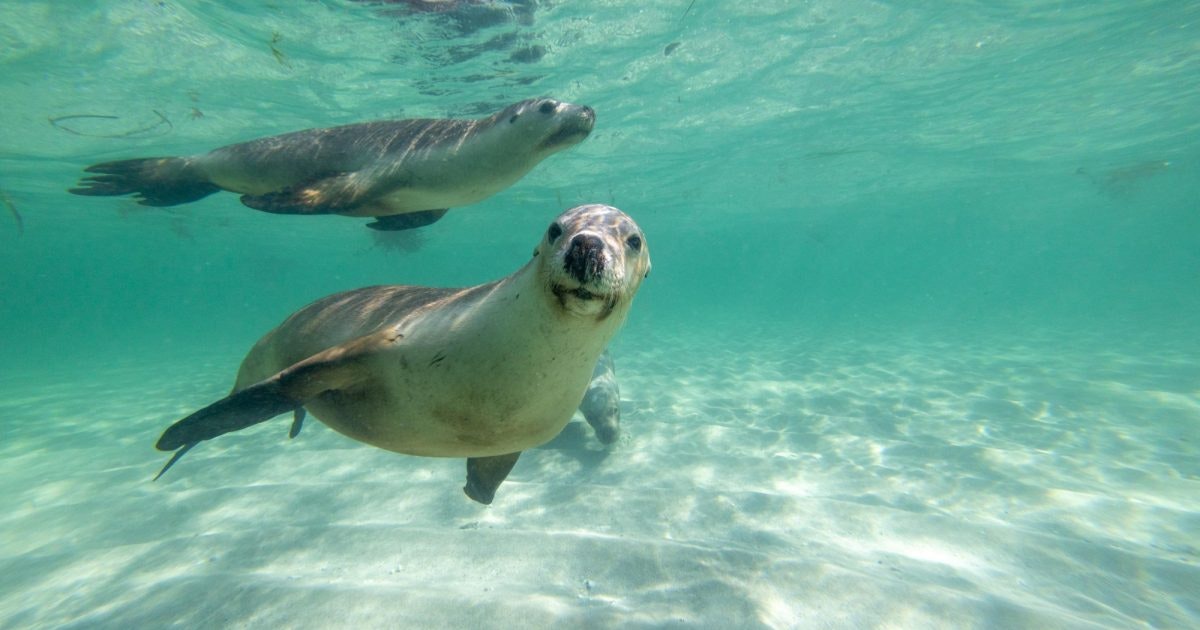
606, 314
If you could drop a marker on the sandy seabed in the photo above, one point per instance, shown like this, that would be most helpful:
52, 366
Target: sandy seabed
760, 481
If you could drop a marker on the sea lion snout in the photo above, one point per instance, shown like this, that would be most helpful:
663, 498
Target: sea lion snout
570, 123
584, 259
588, 118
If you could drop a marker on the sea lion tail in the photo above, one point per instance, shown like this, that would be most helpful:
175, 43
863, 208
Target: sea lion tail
161, 181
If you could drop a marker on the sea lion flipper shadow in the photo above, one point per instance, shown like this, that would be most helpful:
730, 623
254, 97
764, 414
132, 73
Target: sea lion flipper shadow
333, 369
485, 474
407, 221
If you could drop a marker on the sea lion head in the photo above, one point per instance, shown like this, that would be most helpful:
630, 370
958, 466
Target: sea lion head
545, 125
592, 259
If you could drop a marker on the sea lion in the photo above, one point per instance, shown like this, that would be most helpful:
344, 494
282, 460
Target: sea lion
601, 405
483, 372
406, 173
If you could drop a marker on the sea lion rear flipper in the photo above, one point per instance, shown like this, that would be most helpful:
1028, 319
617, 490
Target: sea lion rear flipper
165, 181
484, 475
174, 458
406, 221
335, 368
331, 194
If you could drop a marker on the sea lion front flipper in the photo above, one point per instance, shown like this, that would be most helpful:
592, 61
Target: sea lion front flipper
331, 194
484, 475
259, 402
406, 221
297, 422
333, 369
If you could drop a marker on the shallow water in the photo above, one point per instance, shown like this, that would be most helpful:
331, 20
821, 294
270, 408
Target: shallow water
919, 348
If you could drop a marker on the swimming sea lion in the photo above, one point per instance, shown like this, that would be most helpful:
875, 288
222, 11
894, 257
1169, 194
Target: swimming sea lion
601, 405
483, 372
404, 172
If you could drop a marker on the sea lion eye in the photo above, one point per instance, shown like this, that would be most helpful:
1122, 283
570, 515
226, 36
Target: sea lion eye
554, 232
546, 107
634, 242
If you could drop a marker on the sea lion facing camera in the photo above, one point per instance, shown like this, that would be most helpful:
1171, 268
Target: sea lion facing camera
483, 372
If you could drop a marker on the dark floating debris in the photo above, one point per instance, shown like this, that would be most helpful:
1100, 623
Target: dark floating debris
467, 16
12, 209
687, 10
71, 124
195, 98
528, 54
276, 38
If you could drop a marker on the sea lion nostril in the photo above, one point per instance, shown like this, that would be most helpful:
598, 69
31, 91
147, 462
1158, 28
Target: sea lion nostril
584, 258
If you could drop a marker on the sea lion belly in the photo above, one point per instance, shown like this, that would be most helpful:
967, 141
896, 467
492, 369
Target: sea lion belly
467, 394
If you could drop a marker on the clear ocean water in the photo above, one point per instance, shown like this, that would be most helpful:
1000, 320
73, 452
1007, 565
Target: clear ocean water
921, 348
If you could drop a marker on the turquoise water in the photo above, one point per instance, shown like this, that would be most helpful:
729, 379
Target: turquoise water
919, 348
